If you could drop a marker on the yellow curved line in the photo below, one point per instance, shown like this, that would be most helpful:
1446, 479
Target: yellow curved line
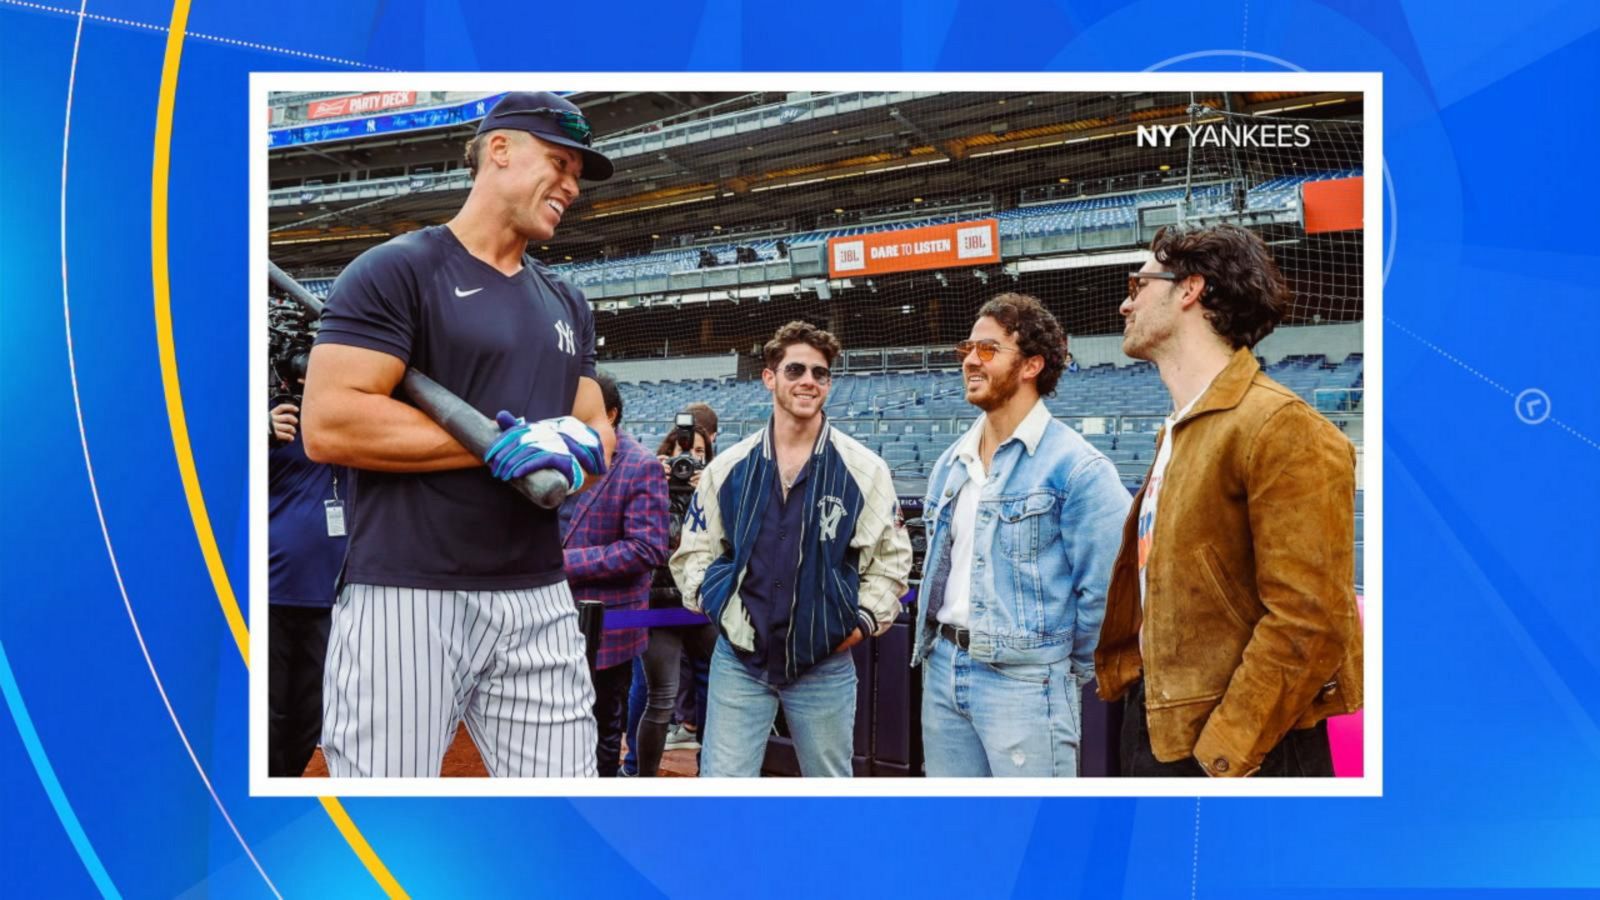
159, 177
160, 278
368, 856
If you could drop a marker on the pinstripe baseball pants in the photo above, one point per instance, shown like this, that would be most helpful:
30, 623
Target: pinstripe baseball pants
405, 665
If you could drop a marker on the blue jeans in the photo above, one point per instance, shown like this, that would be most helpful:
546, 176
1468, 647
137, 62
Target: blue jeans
980, 720
820, 708
636, 700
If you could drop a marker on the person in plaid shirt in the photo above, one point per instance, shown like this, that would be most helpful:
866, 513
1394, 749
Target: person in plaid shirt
613, 538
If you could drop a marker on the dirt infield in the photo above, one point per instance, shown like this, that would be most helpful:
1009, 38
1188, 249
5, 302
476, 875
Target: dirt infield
462, 761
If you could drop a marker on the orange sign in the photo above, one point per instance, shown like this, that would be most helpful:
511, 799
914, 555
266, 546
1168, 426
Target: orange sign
1333, 205
929, 247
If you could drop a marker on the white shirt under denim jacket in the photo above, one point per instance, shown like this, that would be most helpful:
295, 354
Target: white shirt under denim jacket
1048, 527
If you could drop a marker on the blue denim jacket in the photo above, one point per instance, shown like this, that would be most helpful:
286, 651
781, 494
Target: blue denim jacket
1048, 528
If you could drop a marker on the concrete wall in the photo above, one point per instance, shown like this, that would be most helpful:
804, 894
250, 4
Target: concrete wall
679, 368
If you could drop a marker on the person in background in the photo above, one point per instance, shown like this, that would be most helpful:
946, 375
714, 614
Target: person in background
305, 547
688, 716
613, 538
669, 645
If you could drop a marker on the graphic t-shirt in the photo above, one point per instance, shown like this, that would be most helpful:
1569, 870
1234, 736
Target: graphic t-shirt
1152, 491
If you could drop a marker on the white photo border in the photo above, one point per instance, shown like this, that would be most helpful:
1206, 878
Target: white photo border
1369, 84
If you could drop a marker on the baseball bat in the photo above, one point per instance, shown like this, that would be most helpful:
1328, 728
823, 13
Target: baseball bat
476, 432
458, 418
288, 285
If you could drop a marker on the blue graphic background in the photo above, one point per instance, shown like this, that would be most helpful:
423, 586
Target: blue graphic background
1492, 655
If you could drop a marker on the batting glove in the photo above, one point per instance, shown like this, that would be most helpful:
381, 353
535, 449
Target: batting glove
526, 447
562, 444
583, 443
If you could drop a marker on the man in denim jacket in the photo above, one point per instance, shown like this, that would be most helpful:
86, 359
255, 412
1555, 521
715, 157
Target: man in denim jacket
1024, 521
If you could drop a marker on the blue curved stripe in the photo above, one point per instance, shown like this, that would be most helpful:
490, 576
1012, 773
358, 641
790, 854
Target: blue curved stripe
47, 777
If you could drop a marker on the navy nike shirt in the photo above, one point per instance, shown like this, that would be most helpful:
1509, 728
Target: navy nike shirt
517, 342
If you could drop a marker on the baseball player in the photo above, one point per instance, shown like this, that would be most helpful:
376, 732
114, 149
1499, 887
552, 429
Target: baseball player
453, 602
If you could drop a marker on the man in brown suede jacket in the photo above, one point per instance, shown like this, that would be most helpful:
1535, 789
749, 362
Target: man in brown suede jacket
1231, 624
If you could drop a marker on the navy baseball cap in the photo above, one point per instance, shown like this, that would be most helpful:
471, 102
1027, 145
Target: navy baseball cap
550, 118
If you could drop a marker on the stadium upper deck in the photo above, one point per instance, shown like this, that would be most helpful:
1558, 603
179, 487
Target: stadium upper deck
732, 160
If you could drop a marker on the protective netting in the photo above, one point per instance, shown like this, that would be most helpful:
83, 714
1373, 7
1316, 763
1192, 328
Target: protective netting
1066, 197
889, 218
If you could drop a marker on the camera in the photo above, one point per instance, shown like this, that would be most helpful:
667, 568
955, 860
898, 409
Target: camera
291, 329
682, 467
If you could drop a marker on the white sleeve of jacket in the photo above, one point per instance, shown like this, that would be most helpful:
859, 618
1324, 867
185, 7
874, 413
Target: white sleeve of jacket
700, 549
700, 539
884, 546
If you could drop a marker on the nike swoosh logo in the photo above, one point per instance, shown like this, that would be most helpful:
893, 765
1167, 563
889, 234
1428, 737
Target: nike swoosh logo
461, 293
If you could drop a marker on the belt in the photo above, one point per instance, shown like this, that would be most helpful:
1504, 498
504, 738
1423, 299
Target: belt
961, 637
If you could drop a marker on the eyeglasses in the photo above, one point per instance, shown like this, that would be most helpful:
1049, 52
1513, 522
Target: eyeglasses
1136, 280
572, 124
986, 350
795, 371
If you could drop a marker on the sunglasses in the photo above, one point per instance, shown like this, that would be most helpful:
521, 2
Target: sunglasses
572, 124
986, 350
795, 371
1136, 280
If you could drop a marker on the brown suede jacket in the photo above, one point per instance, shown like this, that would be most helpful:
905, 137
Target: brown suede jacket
1251, 627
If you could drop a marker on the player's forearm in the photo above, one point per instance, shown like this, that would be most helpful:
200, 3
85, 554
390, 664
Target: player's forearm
379, 433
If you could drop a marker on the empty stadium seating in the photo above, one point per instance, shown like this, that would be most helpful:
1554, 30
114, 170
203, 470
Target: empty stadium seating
910, 418
1112, 211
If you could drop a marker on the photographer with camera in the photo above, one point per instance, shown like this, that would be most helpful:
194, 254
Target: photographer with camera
305, 547
291, 330
684, 454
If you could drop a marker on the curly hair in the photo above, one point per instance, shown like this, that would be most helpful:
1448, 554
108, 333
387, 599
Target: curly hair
799, 333
1245, 296
1038, 334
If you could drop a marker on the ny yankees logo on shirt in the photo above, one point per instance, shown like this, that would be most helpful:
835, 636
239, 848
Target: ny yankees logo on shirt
564, 338
831, 510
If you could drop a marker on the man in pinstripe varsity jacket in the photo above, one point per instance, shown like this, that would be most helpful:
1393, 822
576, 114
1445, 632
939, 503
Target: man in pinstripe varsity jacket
793, 546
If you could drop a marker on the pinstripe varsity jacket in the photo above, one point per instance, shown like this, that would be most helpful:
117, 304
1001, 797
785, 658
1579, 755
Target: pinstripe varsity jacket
854, 557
